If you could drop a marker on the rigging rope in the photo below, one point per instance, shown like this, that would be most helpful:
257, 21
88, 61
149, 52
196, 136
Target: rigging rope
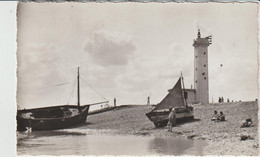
61, 84
72, 92
51, 86
93, 88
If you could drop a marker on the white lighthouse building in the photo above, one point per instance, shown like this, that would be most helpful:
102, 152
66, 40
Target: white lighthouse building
201, 80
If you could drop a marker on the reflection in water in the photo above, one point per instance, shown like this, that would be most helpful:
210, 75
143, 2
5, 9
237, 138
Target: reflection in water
177, 146
170, 146
78, 143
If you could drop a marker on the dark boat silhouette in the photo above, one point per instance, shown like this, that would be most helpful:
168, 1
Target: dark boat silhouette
55, 117
176, 98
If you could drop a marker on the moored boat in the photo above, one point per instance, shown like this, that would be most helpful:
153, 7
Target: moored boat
55, 117
50, 118
176, 98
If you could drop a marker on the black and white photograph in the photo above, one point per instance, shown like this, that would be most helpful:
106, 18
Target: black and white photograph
137, 79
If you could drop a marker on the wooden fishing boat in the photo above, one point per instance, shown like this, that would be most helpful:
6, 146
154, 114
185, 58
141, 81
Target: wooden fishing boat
176, 98
55, 117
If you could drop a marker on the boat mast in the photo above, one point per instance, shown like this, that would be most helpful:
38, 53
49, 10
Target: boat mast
184, 95
78, 93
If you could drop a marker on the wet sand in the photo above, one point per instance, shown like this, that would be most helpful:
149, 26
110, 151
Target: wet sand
223, 138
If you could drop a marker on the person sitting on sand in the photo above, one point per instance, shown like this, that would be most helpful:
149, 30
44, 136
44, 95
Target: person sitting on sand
221, 117
215, 116
171, 118
246, 123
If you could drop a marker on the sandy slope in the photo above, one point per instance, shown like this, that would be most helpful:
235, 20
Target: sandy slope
223, 137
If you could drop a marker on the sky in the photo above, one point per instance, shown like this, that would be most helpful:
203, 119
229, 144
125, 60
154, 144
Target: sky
130, 51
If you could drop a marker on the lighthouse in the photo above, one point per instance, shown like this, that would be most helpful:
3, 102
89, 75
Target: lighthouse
201, 79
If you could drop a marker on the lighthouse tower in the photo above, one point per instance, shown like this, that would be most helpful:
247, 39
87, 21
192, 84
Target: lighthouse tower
201, 80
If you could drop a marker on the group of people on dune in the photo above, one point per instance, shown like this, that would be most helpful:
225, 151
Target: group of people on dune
221, 117
218, 117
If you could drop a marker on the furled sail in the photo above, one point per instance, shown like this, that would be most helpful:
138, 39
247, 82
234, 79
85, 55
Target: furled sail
173, 99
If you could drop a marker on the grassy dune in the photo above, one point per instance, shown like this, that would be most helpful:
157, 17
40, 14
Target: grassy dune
223, 137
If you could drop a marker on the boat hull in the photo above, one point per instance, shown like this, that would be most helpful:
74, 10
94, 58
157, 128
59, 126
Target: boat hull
55, 118
160, 119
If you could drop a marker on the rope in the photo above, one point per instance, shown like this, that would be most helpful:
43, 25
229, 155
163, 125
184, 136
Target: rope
61, 84
71, 92
93, 88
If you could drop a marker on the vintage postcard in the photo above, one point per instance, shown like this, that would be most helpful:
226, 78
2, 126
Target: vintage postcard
137, 78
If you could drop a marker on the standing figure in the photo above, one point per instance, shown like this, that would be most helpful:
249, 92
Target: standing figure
148, 100
115, 102
172, 118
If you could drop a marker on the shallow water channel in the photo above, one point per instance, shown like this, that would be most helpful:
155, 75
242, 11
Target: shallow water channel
77, 143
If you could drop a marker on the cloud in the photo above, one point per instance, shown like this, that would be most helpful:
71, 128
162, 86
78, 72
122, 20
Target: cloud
147, 57
174, 47
107, 48
37, 62
181, 59
40, 68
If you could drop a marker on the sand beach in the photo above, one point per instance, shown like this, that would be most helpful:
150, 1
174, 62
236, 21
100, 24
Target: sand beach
223, 138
